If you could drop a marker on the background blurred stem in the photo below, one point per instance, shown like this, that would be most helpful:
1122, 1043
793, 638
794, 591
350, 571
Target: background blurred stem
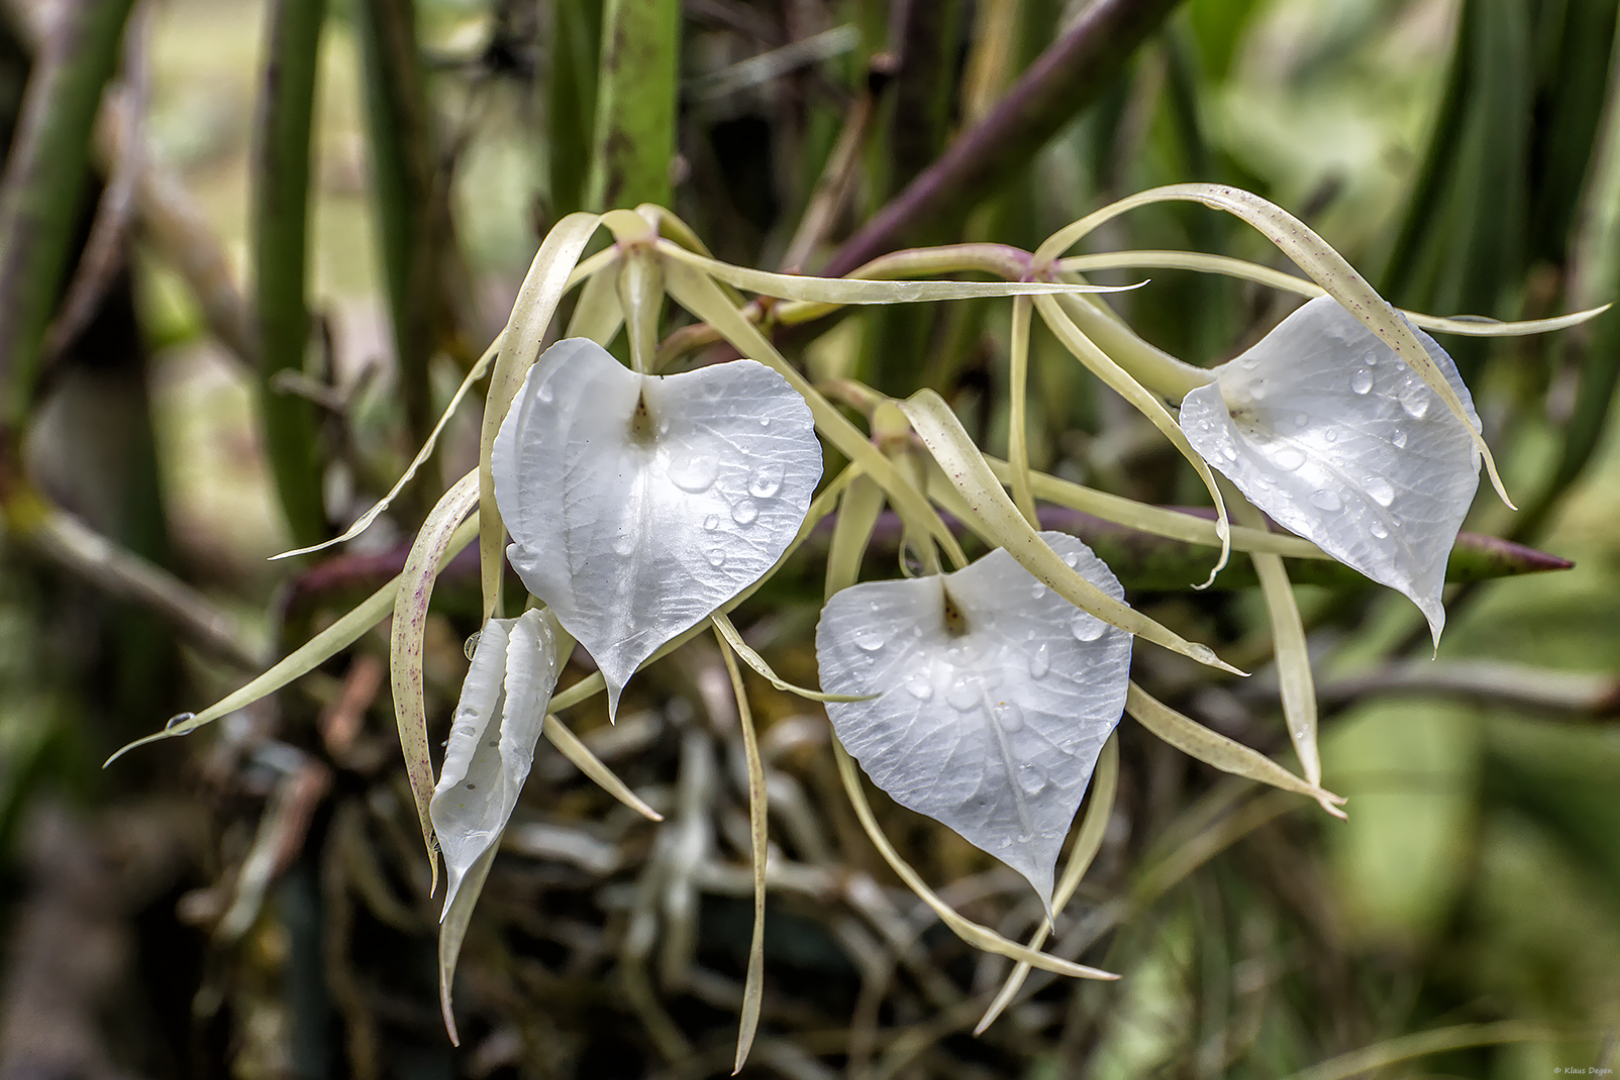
280, 234
576, 47
43, 187
402, 177
635, 104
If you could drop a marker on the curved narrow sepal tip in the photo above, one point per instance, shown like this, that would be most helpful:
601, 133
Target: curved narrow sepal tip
1332, 803
1496, 477
449, 1016
156, 737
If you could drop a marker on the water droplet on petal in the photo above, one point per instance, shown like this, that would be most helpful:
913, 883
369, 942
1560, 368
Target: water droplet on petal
1378, 530
1258, 391
1361, 381
745, 512
1399, 439
1229, 452
716, 557
1031, 778
1331, 436
1288, 459
545, 393
1301, 419
766, 481
1036, 591
1009, 716
1380, 490
1040, 661
470, 646
624, 544
694, 472
869, 638
1326, 500
919, 685
963, 694
663, 426
1087, 627
1070, 559
1415, 399
764, 421
712, 522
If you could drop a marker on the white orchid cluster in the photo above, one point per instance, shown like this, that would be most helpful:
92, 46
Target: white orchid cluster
642, 507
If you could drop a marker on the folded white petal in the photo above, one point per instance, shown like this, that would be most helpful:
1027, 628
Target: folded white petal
492, 739
1324, 428
639, 504
989, 722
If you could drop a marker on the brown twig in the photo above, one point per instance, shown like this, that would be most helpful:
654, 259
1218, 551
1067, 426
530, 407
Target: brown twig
1063, 80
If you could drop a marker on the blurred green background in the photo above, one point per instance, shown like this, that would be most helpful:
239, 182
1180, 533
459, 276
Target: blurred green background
248, 903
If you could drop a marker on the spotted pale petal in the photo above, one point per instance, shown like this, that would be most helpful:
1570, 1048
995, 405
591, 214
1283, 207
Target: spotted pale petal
639, 504
995, 696
492, 739
1323, 427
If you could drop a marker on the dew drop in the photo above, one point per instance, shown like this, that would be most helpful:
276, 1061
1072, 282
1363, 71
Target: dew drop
1036, 591
1229, 452
1326, 500
178, 719
919, 686
1009, 716
1331, 436
1399, 439
694, 472
470, 646
1380, 490
545, 393
1040, 662
1070, 559
1301, 419
716, 557
1372, 361
663, 426
764, 421
731, 410
1415, 399
1258, 391
1029, 635
1378, 530
746, 512
1087, 627
1288, 459
624, 544
1361, 381
869, 638
1031, 778
963, 694
712, 522
766, 481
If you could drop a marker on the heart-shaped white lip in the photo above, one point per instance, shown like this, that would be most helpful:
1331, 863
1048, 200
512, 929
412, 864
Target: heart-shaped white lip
995, 696
639, 504
1326, 429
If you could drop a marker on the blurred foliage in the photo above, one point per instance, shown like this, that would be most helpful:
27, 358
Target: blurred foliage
257, 894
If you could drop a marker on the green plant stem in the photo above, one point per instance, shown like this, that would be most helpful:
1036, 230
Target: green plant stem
635, 104
44, 183
281, 164
402, 186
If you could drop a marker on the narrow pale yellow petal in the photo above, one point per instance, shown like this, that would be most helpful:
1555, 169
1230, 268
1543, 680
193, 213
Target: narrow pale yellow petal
1293, 657
1196, 740
995, 516
754, 983
725, 629
591, 765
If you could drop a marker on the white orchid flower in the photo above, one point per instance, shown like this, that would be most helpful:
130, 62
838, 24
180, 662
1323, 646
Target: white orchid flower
994, 696
492, 739
1326, 429
639, 504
